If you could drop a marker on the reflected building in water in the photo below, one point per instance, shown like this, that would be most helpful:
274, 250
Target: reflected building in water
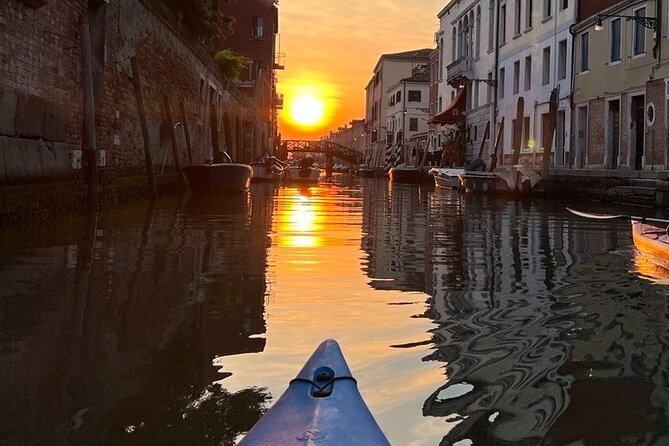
394, 235
529, 314
541, 321
109, 328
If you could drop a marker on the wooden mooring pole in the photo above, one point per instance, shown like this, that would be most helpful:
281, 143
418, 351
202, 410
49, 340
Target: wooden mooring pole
89, 152
173, 138
150, 170
184, 122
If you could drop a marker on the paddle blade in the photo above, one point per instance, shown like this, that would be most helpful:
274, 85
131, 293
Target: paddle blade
598, 216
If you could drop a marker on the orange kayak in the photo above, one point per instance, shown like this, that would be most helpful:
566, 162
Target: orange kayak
652, 241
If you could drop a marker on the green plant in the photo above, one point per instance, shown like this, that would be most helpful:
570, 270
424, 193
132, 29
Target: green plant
202, 18
231, 64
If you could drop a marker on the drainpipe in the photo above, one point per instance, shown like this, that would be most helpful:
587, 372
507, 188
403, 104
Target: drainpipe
572, 140
495, 99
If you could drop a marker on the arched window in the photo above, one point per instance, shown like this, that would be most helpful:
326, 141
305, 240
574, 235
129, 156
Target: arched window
441, 58
454, 44
465, 37
478, 32
491, 25
459, 43
472, 32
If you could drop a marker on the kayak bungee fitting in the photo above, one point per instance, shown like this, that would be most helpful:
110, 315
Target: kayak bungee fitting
321, 407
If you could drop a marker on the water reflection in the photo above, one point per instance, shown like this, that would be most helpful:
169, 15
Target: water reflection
465, 319
539, 325
110, 323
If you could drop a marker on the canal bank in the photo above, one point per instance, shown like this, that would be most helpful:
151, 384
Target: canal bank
39, 201
102, 91
630, 187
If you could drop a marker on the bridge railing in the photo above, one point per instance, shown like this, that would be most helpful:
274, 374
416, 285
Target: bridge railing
328, 147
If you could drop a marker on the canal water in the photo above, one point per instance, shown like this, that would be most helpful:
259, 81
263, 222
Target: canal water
467, 320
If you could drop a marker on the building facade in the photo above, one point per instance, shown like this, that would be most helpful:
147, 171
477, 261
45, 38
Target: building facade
407, 105
621, 123
42, 92
254, 35
535, 48
352, 135
467, 60
389, 70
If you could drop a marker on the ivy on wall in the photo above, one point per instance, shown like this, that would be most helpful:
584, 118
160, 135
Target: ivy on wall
202, 18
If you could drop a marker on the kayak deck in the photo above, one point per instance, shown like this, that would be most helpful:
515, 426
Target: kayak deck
321, 407
652, 241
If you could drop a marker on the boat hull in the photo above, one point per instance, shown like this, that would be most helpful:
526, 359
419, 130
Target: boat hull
652, 241
263, 173
221, 177
296, 174
447, 178
410, 176
301, 417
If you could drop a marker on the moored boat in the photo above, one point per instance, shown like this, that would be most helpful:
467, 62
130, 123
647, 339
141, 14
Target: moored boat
448, 178
304, 171
267, 169
322, 406
219, 177
409, 174
297, 174
652, 241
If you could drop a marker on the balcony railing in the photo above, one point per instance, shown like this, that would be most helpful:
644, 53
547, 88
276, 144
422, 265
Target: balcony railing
458, 69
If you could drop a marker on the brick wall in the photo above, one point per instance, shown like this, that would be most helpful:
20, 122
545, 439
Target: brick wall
596, 120
588, 8
41, 95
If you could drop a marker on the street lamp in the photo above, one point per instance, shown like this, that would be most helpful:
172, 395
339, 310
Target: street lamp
463, 80
647, 22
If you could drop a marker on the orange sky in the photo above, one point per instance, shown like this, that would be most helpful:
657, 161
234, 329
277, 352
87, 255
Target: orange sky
332, 46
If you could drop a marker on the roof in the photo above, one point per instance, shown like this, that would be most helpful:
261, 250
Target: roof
420, 54
447, 8
421, 76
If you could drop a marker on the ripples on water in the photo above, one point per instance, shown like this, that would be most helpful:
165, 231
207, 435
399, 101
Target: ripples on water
467, 320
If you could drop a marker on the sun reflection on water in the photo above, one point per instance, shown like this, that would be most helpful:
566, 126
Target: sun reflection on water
300, 222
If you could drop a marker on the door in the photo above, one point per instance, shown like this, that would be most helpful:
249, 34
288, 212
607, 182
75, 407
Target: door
638, 118
559, 138
614, 134
581, 137
546, 134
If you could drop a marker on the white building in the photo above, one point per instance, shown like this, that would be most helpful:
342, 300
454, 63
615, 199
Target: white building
407, 105
535, 48
389, 70
508, 55
467, 60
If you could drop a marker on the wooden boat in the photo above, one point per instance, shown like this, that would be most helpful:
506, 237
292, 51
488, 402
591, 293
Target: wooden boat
270, 169
297, 174
219, 177
448, 178
370, 172
303, 171
652, 241
322, 406
409, 174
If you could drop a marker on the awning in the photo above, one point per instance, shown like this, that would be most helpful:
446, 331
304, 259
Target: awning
454, 113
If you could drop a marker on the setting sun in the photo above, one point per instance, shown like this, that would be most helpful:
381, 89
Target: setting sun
307, 110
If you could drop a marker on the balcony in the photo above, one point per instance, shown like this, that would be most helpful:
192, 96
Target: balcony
246, 83
278, 102
458, 69
279, 61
